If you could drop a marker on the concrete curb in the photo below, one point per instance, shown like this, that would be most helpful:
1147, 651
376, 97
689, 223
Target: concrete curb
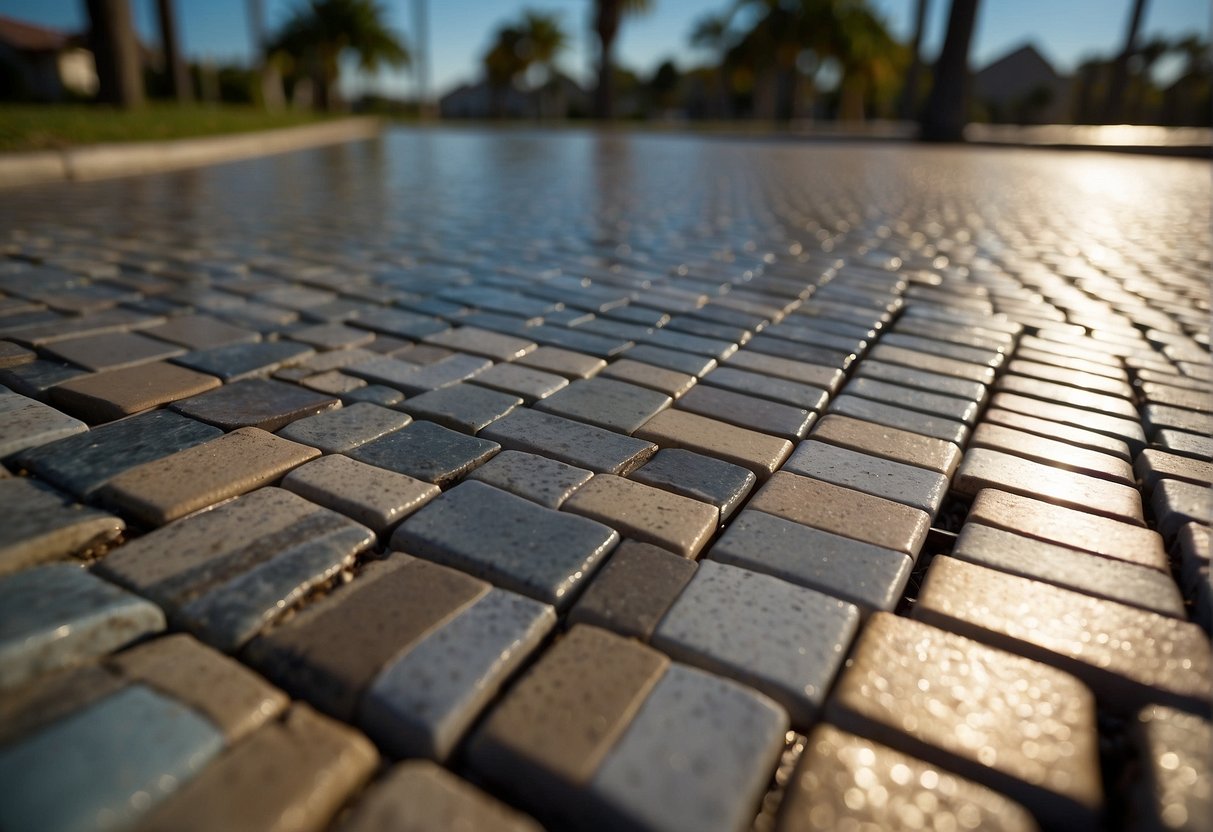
105, 161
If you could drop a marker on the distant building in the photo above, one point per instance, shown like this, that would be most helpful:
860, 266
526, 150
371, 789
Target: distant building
40, 64
559, 98
1023, 88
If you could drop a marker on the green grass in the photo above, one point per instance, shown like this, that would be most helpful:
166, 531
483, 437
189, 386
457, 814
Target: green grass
50, 127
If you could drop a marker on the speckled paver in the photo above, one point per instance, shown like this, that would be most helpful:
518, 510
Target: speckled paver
463, 407
375, 497
259, 403
482, 342
606, 403
418, 795
827, 378
200, 332
1015, 725
1054, 453
103, 397
568, 441
759, 452
698, 755
896, 481
784, 640
1068, 527
42, 524
428, 452
226, 573
112, 762
843, 511
84, 462
113, 351
1175, 503
508, 540
868, 576
634, 590
549, 735
908, 398
842, 778
933, 363
1082, 571
1154, 465
542, 480
1143, 657
888, 443
746, 411
59, 615
894, 416
28, 423
424, 701
669, 382
526, 383
647, 514
699, 477
563, 362
341, 430
160, 491
960, 388
1175, 753
1128, 431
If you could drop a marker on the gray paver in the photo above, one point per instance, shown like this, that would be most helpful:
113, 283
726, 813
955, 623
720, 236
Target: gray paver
634, 590
341, 430
1053, 453
113, 350
42, 524
463, 407
785, 640
870, 410
563, 362
574, 443
59, 615
1077, 438
744, 410
27, 423
669, 382
606, 403
699, 477
527, 383
374, 497
200, 332
935, 404
427, 452
545, 481
888, 442
1174, 753
827, 378
1175, 503
868, 576
906, 484
1126, 430
239, 361
677, 360
508, 540
259, 403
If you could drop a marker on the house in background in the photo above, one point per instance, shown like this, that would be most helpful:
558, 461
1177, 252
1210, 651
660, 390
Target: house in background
40, 64
1022, 87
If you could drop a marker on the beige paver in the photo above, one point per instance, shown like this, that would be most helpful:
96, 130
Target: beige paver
1068, 527
647, 514
548, 736
1052, 392
290, 776
102, 397
563, 362
843, 511
483, 342
670, 382
113, 350
1053, 453
984, 468
375, 497
1017, 726
173, 486
888, 442
759, 452
842, 780
1128, 656
1175, 752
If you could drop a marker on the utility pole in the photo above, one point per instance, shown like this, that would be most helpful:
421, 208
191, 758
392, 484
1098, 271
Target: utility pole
174, 63
116, 51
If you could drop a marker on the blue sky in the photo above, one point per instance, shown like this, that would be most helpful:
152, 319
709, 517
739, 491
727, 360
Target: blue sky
1064, 30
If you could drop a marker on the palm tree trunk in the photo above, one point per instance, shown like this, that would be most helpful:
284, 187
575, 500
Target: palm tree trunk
606, 25
1114, 107
116, 51
178, 75
909, 93
944, 117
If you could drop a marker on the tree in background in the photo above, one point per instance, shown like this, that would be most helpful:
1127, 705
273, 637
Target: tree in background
535, 41
320, 32
175, 69
608, 14
1114, 107
116, 51
908, 109
944, 118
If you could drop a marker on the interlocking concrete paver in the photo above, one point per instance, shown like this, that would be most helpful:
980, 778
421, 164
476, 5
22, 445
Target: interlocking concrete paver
1141, 657
341, 430
113, 351
33, 706
463, 407
815, 375
375, 394
932, 362
895, 416
842, 778
868, 576
160, 491
59, 615
110, 763
896, 481
1128, 431
374, 497
508, 540
1081, 571
1175, 503
417, 795
549, 735
527, 383
699, 477
634, 590
545, 481
12, 355
36, 378
428, 452
1074, 378
570, 364
294, 774
839, 510
424, 701
332, 336
606, 403
1077, 438
569, 441
931, 403
647, 514
960, 388
482, 342
759, 452
741, 409
890, 443
1054, 453
258, 403
103, 397
784, 640
669, 382
234, 362
671, 359
1174, 753
1020, 727
727, 737
44, 524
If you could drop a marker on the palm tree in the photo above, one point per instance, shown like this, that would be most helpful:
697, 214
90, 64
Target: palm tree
909, 93
868, 54
116, 51
319, 32
1114, 106
546, 39
608, 14
178, 75
943, 120
537, 40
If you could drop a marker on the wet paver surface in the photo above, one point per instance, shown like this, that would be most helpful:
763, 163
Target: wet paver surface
473, 479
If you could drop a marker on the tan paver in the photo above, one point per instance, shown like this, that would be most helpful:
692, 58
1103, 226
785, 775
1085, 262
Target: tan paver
102, 397
290, 776
888, 443
563, 362
1128, 656
1053, 453
843, 511
1067, 434
1051, 392
647, 514
845, 780
1175, 752
113, 350
174, 486
375, 497
759, 452
670, 382
1068, 527
483, 342
1019, 727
